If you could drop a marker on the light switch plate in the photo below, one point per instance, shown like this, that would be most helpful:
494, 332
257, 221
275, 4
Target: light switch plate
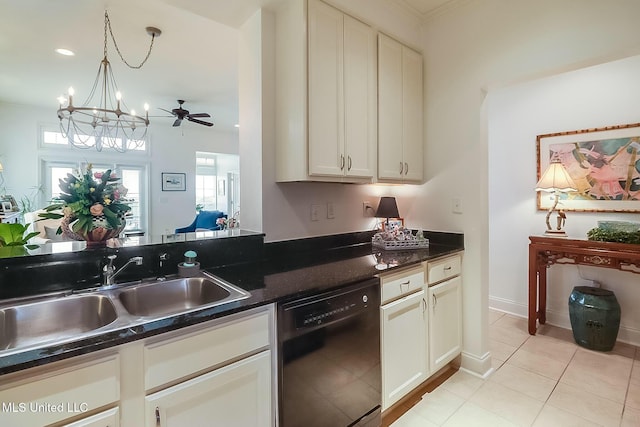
315, 212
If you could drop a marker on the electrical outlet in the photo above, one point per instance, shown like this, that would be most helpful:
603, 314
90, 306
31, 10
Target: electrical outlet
330, 211
367, 210
456, 205
315, 212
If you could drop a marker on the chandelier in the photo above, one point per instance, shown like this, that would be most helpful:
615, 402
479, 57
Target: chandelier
105, 121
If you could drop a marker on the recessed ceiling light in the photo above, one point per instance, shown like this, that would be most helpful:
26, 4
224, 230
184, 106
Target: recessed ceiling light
65, 52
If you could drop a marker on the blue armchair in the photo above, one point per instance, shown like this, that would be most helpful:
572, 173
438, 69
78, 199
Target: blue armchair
204, 220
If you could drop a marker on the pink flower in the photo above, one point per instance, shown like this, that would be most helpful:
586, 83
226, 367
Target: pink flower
96, 209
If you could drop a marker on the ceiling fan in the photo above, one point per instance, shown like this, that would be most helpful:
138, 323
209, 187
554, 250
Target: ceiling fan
181, 114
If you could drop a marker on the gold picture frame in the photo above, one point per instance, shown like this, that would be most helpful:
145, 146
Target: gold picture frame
603, 162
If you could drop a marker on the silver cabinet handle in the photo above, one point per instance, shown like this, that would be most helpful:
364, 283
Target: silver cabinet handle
435, 301
341, 162
406, 168
424, 305
157, 417
447, 268
349, 167
401, 168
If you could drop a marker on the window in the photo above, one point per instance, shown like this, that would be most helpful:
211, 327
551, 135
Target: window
206, 181
217, 182
58, 158
133, 177
55, 139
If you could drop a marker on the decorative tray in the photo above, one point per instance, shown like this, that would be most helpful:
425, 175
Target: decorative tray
400, 244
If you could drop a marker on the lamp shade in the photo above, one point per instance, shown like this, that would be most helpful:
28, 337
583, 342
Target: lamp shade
556, 178
387, 208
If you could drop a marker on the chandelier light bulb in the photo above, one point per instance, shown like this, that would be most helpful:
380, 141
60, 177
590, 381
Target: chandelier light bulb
71, 92
146, 107
133, 112
118, 96
61, 100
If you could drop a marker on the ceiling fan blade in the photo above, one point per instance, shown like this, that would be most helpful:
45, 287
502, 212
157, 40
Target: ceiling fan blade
177, 122
200, 115
170, 112
200, 122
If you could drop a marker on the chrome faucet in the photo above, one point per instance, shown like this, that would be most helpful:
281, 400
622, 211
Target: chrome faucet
110, 272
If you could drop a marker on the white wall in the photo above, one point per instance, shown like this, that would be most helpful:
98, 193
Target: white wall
597, 96
172, 150
470, 50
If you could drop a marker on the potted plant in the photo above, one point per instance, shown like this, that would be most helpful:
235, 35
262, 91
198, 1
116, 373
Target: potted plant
13, 237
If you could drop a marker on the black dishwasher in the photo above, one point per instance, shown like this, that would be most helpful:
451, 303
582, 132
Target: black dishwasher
329, 358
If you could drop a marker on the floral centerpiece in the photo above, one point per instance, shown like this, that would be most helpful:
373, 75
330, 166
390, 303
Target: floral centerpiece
92, 206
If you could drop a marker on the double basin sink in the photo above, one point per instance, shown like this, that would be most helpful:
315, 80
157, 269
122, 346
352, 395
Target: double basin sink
59, 319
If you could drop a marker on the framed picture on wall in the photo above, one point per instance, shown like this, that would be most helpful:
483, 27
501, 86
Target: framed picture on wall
604, 163
174, 181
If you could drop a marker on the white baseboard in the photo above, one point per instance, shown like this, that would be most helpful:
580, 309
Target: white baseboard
477, 366
626, 334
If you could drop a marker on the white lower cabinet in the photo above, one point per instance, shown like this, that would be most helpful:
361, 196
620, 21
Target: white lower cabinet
403, 332
421, 324
238, 394
445, 322
109, 418
404, 353
62, 391
217, 373
444, 292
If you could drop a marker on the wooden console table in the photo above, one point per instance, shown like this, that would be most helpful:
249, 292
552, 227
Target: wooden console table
546, 251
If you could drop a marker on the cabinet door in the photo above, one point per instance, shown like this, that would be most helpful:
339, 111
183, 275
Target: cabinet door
326, 114
236, 395
445, 322
74, 386
109, 418
390, 104
404, 352
412, 141
359, 98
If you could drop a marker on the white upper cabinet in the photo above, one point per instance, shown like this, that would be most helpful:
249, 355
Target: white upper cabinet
400, 112
339, 97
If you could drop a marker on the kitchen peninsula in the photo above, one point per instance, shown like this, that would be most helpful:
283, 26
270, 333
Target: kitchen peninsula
270, 272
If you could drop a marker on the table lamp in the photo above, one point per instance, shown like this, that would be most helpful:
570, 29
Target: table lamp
556, 180
387, 208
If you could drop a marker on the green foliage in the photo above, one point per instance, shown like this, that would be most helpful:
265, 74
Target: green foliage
14, 235
617, 236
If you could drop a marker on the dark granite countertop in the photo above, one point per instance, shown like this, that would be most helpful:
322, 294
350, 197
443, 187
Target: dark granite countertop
286, 279
269, 280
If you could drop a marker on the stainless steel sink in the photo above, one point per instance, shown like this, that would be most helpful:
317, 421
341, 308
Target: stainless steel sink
57, 319
24, 325
178, 295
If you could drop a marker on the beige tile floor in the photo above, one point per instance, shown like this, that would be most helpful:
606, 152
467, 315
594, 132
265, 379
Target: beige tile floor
544, 380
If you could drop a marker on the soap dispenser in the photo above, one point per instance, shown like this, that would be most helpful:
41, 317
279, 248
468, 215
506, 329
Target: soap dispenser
190, 267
